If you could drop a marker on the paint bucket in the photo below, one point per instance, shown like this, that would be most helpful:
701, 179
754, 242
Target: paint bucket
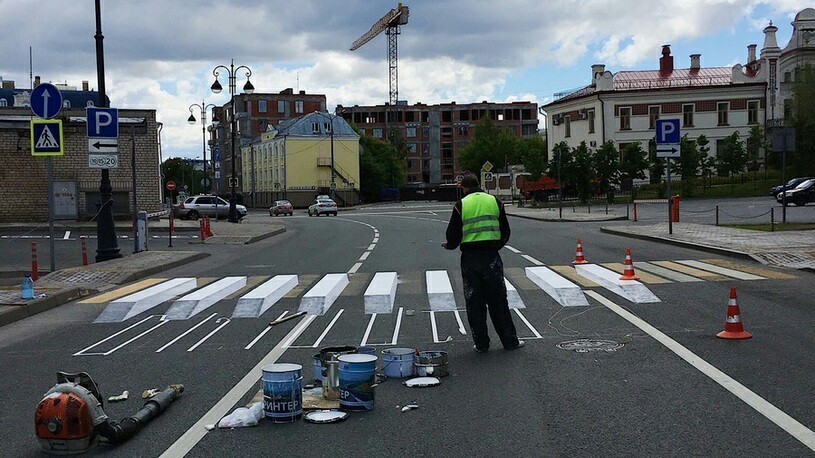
283, 392
398, 362
431, 364
357, 379
317, 367
331, 375
367, 350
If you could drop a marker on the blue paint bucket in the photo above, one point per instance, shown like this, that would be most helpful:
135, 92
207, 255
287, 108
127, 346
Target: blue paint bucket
398, 362
283, 392
317, 367
357, 379
366, 350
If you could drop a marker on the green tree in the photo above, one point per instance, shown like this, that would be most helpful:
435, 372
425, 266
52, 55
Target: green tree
756, 144
633, 164
583, 172
532, 153
802, 119
490, 143
380, 165
181, 171
564, 153
688, 164
732, 157
656, 167
606, 161
707, 163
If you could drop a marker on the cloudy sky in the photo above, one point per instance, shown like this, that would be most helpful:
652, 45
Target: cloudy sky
160, 53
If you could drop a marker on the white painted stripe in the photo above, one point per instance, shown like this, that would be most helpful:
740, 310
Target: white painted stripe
440, 290
560, 289
512, 249
67, 235
792, 426
137, 337
365, 256
531, 259
398, 325
199, 300
114, 335
528, 324
226, 322
371, 246
291, 339
461, 328
321, 296
368, 331
663, 272
375, 240
381, 293
185, 333
328, 328
513, 298
721, 270
434, 328
355, 268
630, 290
263, 333
192, 436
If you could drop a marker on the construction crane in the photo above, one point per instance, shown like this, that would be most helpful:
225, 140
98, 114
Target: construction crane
390, 23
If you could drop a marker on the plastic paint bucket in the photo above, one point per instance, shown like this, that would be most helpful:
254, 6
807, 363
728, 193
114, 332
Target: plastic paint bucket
398, 362
431, 364
283, 392
357, 377
331, 376
366, 350
317, 367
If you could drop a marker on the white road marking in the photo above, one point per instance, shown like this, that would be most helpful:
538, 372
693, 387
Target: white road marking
528, 324
365, 256
67, 235
80, 352
371, 246
263, 333
398, 325
185, 333
355, 268
137, 337
433, 326
512, 249
321, 296
375, 240
531, 259
368, 331
381, 293
792, 426
225, 322
630, 290
328, 328
721, 270
440, 290
559, 288
461, 328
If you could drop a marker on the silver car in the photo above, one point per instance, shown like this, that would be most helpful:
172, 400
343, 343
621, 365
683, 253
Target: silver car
323, 207
196, 206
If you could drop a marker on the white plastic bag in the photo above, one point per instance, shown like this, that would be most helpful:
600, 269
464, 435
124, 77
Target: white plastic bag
242, 417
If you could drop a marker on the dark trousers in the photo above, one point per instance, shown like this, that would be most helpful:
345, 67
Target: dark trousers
484, 287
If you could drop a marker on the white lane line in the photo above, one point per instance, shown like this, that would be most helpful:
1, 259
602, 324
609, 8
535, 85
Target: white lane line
136, 338
186, 332
433, 326
328, 328
67, 235
512, 249
371, 246
114, 335
461, 328
355, 268
398, 325
225, 322
368, 331
528, 324
375, 240
792, 426
263, 333
365, 256
531, 259
192, 436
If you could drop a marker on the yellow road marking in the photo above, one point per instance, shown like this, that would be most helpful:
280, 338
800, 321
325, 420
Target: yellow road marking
763, 271
645, 277
304, 281
571, 274
123, 291
699, 273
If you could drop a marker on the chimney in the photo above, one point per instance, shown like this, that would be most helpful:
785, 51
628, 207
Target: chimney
695, 62
85, 86
36, 81
595, 70
302, 92
287, 91
666, 62
751, 53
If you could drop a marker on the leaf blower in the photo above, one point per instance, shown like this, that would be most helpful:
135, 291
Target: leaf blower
70, 418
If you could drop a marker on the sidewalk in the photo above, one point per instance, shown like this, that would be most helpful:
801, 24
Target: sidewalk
570, 214
793, 249
63, 286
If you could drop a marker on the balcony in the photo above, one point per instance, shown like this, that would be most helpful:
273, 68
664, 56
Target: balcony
323, 162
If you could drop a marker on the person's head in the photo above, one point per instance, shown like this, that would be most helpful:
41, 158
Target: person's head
468, 183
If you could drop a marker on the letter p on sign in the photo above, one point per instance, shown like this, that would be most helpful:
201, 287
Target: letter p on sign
667, 131
103, 122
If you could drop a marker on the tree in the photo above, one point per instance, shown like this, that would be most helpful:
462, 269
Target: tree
182, 172
657, 165
490, 143
380, 165
606, 161
562, 152
756, 144
532, 153
688, 164
707, 163
633, 164
802, 119
732, 157
583, 171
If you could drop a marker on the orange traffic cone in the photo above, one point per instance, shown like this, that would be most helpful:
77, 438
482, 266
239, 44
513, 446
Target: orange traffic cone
733, 328
628, 273
578, 256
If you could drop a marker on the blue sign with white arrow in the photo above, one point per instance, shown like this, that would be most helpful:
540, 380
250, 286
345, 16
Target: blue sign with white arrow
46, 101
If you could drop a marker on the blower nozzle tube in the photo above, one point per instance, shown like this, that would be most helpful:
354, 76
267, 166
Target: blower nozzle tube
117, 432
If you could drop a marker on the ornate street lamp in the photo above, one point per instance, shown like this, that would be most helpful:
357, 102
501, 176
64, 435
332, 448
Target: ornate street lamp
203, 107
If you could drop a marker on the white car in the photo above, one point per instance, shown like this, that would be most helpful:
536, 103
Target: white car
322, 207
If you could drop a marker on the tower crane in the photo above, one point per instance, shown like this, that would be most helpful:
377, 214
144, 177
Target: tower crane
390, 23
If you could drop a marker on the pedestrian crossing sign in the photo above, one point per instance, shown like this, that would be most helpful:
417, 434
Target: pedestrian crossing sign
46, 137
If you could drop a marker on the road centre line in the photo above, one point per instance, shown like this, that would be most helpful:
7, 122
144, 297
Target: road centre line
114, 335
328, 328
186, 332
355, 268
368, 331
512, 249
528, 324
792, 426
226, 322
365, 256
398, 325
371, 246
263, 333
531, 259
196, 432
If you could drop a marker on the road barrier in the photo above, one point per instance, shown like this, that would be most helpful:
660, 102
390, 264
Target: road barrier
35, 273
84, 250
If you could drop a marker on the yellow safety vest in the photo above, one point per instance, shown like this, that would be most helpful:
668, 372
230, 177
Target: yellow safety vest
479, 218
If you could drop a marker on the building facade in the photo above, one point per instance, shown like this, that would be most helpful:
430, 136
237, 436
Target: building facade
76, 187
435, 134
713, 101
293, 161
254, 113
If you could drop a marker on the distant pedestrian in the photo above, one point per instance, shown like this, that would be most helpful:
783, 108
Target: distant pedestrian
479, 226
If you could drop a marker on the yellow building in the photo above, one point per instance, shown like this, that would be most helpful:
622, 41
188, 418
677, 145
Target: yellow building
293, 161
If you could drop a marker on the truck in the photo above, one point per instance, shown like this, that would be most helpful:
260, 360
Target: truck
539, 189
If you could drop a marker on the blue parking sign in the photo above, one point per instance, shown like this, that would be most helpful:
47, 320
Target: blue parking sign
667, 131
103, 122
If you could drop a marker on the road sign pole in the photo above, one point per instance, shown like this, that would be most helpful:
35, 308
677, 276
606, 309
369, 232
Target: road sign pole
784, 181
670, 198
133, 175
49, 166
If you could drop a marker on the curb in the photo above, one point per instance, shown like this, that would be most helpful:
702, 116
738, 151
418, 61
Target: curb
681, 243
214, 239
267, 235
566, 220
138, 275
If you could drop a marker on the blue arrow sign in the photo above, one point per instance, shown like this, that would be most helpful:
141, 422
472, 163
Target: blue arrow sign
667, 131
46, 100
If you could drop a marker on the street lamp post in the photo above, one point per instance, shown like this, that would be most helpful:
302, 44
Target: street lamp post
203, 107
247, 88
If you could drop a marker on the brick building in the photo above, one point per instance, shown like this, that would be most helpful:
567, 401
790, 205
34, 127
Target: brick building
435, 134
255, 113
23, 180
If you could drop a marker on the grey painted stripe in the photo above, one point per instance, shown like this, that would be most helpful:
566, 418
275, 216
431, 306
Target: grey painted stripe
495, 229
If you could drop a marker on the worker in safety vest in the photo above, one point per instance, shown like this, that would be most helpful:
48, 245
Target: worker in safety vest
479, 226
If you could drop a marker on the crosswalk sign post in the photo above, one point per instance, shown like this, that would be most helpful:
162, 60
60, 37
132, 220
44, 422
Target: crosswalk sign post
46, 137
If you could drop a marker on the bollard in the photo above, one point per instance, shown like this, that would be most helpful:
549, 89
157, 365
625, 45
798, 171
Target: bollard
35, 271
627, 211
201, 234
172, 228
717, 215
772, 219
84, 250
635, 211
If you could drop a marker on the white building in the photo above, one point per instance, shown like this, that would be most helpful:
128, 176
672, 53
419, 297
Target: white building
714, 101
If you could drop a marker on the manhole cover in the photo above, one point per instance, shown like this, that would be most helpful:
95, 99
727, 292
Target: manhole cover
587, 345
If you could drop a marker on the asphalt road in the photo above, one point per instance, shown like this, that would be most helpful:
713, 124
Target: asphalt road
642, 399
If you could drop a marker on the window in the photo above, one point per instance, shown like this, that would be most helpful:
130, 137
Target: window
463, 130
411, 147
446, 116
787, 77
362, 131
787, 108
752, 112
446, 131
590, 116
687, 115
500, 116
263, 106
464, 115
370, 119
425, 149
3, 103
410, 132
298, 106
66, 104
377, 132
653, 115
722, 108
327, 127
315, 127
625, 118
425, 132
567, 124
281, 106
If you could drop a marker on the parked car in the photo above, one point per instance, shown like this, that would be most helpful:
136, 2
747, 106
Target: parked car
196, 206
281, 207
803, 193
323, 207
323, 197
789, 185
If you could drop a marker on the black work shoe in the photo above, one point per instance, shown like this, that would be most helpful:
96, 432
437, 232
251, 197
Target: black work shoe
480, 350
519, 345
